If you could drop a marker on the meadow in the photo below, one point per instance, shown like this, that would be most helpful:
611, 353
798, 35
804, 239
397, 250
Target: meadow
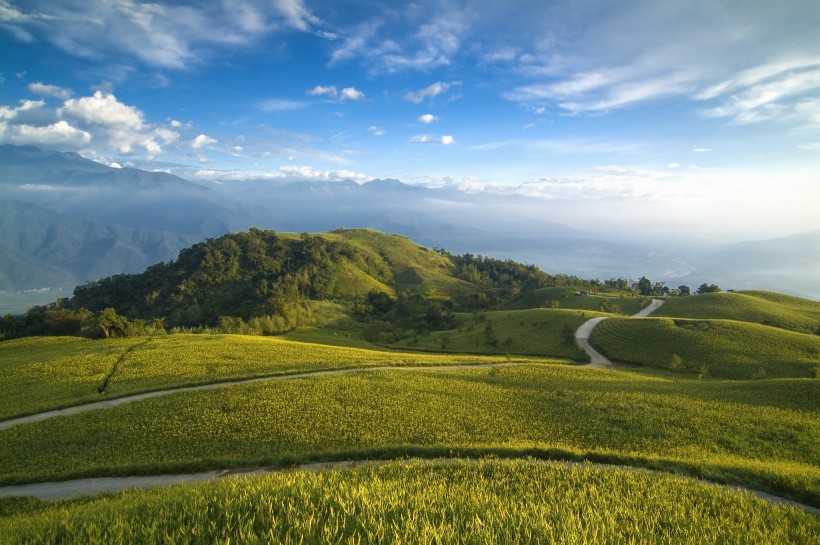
489, 501
41, 373
535, 332
762, 433
761, 307
728, 349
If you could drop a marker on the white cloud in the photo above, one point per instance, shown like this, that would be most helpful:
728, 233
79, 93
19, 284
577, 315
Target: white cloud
331, 91
351, 93
59, 135
421, 42
768, 99
90, 124
51, 91
445, 140
431, 91
673, 165
311, 173
202, 141
321, 90
376, 131
427, 118
702, 150
164, 35
103, 109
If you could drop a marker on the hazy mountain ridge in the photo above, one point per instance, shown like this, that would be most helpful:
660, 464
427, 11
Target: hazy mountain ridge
42, 248
507, 226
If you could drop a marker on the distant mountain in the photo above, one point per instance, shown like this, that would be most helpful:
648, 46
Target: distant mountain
507, 226
84, 189
40, 248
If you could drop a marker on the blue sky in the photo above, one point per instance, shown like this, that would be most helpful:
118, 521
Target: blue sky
686, 117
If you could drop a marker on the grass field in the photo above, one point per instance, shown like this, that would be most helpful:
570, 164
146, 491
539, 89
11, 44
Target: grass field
43, 373
765, 433
730, 349
761, 307
537, 332
490, 501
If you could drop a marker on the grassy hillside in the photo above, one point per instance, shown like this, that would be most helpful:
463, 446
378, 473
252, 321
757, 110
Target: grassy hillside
566, 298
490, 501
42, 373
759, 307
536, 332
735, 350
763, 432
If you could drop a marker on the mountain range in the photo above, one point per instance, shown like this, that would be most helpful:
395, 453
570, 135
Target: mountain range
67, 220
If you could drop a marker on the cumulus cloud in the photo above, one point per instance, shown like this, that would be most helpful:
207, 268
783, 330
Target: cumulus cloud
95, 122
351, 93
431, 91
59, 135
330, 91
202, 141
51, 91
427, 118
376, 131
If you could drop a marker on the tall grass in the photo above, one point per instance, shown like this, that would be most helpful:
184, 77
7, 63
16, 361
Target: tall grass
488, 501
766, 433
43, 373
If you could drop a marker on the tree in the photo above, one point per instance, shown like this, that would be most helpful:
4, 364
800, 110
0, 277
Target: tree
109, 323
675, 364
645, 286
703, 370
708, 288
683, 290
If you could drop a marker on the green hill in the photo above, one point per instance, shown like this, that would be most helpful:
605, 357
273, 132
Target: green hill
729, 349
759, 307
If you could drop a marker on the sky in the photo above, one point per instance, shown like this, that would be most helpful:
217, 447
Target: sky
659, 117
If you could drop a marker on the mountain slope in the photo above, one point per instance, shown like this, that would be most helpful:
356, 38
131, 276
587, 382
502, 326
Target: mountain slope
44, 248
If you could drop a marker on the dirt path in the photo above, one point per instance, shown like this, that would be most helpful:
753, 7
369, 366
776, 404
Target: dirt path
109, 403
101, 485
596, 359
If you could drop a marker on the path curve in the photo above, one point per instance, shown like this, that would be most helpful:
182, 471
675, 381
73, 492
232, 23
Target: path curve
109, 403
98, 485
582, 335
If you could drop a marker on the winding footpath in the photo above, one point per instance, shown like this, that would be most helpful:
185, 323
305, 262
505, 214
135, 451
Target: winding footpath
596, 359
109, 485
109, 403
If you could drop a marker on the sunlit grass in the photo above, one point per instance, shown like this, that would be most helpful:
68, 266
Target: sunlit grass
766, 432
728, 349
488, 501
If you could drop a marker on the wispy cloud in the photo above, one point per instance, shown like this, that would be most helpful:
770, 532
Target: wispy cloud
280, 105
431, 91
444, 140
428, 118
51, 91
161, 35
432, 41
